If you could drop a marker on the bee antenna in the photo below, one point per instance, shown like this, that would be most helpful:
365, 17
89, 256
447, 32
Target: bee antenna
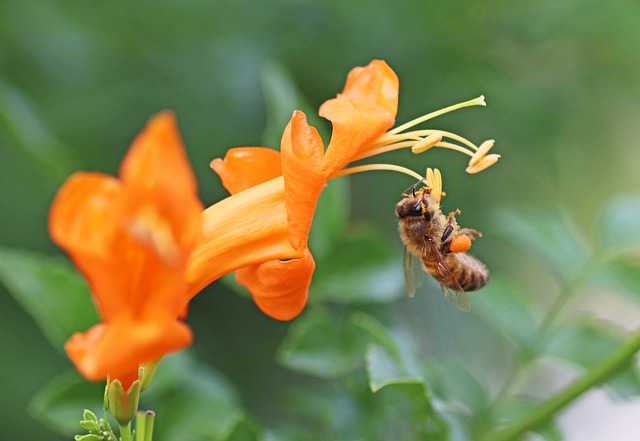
412, 189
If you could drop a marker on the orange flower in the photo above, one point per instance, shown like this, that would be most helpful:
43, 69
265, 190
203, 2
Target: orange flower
275, 195
131, 237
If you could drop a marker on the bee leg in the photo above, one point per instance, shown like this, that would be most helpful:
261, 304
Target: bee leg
424, 204
412, 190
451, 225
470, 232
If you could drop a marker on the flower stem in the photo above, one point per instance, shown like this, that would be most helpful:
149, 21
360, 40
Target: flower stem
548, 408
125, 432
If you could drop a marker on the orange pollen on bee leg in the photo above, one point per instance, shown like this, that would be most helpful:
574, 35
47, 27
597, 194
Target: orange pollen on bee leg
460, 244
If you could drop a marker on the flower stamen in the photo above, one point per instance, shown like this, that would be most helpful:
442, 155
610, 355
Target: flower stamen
371, 167
422, 140
150, 228
474, 102
426, 143
434, 181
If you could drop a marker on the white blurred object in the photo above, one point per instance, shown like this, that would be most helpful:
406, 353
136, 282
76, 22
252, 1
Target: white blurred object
596, 417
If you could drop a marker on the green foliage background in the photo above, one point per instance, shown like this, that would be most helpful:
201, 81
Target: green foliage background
559, 213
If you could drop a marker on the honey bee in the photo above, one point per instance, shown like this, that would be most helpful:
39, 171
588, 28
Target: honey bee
435, 243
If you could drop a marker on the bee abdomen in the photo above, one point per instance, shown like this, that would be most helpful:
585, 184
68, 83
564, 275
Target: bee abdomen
469, 272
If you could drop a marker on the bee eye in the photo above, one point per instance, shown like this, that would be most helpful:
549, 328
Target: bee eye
404, 210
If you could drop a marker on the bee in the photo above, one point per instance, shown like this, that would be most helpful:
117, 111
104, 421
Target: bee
435, 243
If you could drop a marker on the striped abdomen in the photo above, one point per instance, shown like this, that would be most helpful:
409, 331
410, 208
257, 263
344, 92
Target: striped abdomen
469, 272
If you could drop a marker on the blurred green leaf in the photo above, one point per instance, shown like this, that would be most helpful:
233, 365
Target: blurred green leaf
407, 413
239, 428
193, 401
584, 342
29, 132
516, 408
385, 368
547, 234
626, 384
59, 405
508, 311
320, 345
588, 342
282, 97
330, 219
362, 268
448, 378
50, 290
620, 225
621, 275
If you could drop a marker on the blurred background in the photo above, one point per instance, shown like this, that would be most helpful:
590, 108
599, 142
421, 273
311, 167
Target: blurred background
79, 79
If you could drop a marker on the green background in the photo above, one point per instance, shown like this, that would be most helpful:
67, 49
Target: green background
78, 80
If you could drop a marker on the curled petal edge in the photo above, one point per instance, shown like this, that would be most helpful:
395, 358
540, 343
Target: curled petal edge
280, 288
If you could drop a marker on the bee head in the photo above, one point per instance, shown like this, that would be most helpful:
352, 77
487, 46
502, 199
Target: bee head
411, 206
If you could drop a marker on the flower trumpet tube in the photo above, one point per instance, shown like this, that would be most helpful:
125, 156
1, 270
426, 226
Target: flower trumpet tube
291, 181
131, 237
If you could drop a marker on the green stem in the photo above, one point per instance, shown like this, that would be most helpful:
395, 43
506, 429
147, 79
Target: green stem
125, 432
105, 407
521, 360
144, 425
548, 408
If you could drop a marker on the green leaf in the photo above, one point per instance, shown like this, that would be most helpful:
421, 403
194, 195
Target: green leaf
385, 368
330, 219
323, 346
516, 408
622, 275
448, 378
27, 130
584, 342
362, 268
587, 343
50, 290
619, 225
195, 401
59, 405
409, 414
626, 384
282, 97
88, 437
239, 428
506, 309
549, 235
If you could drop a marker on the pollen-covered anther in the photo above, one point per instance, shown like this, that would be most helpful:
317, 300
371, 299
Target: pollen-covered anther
149, 227
426, 143
434, 180
481, 152
484, 163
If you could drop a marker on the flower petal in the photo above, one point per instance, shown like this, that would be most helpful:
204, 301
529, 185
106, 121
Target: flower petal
117, 349
156, 171
365, 109
245, 167
241, 230
279, 287
302, 152
84, 214
84, 220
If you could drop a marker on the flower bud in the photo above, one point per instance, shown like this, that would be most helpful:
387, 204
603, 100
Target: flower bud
123, 404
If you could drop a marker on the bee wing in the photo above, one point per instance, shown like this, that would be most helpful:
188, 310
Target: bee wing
457, 297
413, 272
454, 293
